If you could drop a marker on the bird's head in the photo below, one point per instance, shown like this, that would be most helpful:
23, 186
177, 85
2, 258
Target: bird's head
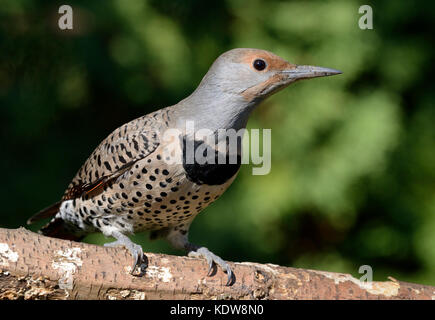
238, 81
254, 74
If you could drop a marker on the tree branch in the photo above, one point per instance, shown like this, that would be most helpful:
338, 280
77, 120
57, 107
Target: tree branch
37, 267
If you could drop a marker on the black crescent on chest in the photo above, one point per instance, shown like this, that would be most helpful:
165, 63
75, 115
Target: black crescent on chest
211, 172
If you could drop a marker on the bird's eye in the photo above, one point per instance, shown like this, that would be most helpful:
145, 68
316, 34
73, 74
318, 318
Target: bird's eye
259, 64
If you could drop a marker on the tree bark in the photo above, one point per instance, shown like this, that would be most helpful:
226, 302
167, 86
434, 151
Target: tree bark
37, 267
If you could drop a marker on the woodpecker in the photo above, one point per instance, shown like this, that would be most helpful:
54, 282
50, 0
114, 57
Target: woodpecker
138, 179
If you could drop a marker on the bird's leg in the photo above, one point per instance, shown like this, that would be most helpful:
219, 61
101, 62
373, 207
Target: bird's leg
140, 260
178, 239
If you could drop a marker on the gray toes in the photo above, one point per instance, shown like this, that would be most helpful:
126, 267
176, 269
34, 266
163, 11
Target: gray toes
212, 259
140, 260
113, 244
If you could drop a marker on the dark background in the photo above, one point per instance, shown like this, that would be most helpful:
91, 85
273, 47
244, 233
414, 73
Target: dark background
353, 158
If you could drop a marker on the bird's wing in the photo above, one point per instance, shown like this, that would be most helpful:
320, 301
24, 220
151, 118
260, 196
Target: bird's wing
113, 157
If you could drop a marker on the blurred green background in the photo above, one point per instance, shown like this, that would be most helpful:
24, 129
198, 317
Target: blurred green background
353, 158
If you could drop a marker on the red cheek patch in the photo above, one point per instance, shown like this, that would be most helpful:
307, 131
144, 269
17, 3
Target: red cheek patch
274, 62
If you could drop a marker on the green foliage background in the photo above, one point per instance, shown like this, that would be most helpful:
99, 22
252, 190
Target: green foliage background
353, 157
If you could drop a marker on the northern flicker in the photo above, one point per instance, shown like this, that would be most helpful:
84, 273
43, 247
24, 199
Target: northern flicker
131, 183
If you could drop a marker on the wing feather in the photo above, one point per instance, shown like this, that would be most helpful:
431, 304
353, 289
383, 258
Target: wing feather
114, 156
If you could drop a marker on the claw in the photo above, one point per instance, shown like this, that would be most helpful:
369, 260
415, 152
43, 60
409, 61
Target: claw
139, 264
230, 277
213, 259
140, 260
210, 268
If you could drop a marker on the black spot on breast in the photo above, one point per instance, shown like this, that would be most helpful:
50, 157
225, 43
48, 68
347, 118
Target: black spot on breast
209, 173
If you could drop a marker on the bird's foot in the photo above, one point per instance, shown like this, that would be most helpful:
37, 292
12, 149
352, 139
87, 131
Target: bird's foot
212, 259
140, 260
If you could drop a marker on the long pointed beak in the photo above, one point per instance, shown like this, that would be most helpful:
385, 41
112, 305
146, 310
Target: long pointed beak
305, 72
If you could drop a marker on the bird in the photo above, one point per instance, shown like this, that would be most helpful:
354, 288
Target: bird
139, 178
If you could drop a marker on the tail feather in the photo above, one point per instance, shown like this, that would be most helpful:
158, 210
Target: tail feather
58, 228
45, 213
